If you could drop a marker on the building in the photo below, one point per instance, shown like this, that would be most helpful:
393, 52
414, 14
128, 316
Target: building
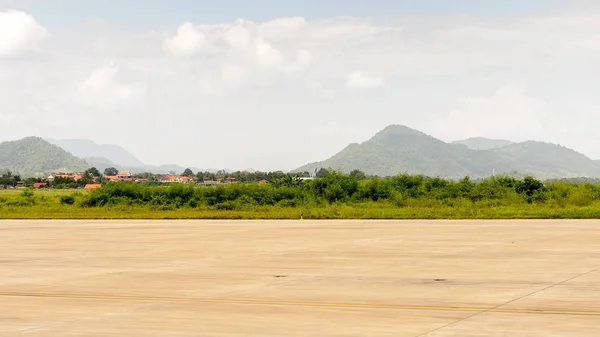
40, 185
92, 186
124, 175
175, 179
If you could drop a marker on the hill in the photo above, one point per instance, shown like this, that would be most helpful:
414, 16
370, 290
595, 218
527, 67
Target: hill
33, 155
103, 156
102, 163
85, 148
481, 143
399, 149
548, 160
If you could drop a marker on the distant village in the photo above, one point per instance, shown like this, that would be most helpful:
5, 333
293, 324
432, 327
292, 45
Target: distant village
90, 181
93, 178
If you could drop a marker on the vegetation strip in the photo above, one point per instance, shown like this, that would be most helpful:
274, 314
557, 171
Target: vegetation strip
295, 303
332, 196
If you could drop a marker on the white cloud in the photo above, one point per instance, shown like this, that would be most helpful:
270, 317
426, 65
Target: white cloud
234, 76
358, 79
285, 24
267, 56
238, 36
448, 77
102, 90
19, 33
509, 113
187, 41
304, 58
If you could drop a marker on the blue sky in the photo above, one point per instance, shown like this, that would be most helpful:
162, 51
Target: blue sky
296, 82
167, 12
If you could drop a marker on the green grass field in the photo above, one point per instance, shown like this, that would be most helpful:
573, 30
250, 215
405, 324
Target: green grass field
41, 192
332, 197
47, 206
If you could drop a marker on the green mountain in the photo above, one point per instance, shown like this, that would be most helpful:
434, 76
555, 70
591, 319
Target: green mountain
481, 143
85, 148
399, 149
548, 160
32, 155
100, 163
103, 156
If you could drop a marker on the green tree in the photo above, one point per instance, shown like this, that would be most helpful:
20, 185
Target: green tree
529, 186
358, 175
86, 177
94, 172
322, 173
188, 173
111, 171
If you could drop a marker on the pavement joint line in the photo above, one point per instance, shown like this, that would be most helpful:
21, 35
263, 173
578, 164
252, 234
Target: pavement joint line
299, 303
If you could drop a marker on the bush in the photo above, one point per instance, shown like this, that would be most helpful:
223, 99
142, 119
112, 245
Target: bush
529, 186
375, 189
67, 200
334, 188
580, 198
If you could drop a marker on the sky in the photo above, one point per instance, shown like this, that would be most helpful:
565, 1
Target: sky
273, 85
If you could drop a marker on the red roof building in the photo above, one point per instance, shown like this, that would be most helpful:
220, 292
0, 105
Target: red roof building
175, 179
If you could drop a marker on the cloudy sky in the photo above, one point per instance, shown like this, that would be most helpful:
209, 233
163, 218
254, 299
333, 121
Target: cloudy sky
272, 84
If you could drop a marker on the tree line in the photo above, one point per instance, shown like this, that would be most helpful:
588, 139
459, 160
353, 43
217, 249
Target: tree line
333, 188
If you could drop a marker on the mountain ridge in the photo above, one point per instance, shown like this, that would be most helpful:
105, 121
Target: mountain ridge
483, 143
399, 149
86, 148
34, 156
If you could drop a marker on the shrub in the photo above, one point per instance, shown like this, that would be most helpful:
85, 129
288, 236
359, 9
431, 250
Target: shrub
529, 186
580, 198
67, 200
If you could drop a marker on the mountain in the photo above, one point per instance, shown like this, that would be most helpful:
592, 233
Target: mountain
548, 160
103, 156
32, 155
481, 143
399, 149
86, 148
102, 163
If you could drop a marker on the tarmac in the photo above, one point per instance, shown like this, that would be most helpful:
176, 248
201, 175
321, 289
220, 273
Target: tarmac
299, 278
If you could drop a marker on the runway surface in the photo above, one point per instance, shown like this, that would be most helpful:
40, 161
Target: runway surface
300, 278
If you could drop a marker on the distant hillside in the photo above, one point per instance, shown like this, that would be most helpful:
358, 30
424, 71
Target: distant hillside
85, 148
32, 155
549, 160
103, 163
398, 149
480, 143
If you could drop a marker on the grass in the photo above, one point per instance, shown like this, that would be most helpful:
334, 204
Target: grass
561, 201
356, 211
42, 192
